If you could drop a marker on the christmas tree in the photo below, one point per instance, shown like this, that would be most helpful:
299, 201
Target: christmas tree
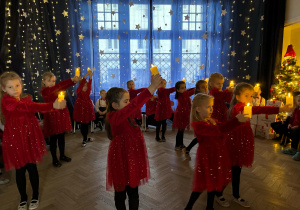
287, 79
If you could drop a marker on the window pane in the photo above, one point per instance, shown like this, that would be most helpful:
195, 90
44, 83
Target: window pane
161, 46
138, 16
115, 17
100, 16
107, 16
100, 8
138, 46
107, 26
109, 45
161, 18
191, 45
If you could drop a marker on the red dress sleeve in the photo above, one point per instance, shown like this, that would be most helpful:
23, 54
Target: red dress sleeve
51, 92
136, 91
167, 91
265, 110
79, 89
190, 92
118, 116
224, 95
202, 128
25, 105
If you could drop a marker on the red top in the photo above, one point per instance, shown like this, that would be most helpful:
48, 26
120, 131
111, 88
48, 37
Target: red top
133, 93
163, 108
212, 166
151, 107
220, 108
295, 118
240, 142
127, 159
57, 121
83, 107
23, 141
182, 113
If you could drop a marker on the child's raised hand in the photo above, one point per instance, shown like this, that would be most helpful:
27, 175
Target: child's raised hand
156, 82
90, 73
241, 117
59, 104
75, 79
286, 108
230, 88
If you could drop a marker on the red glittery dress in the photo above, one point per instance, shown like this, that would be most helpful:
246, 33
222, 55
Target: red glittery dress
212, 166
127, 159
163, 108
295, 118
57, 121
83, 107
220, 108
151, 107
133, 93
240, 142
23, 141
182, 113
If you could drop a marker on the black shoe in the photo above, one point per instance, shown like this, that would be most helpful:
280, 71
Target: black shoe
65, 158
163, 139
57, 164
158, 139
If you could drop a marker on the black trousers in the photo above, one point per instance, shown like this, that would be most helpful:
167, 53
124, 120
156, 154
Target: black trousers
192, 144
195, 196
34, 180
162, 123
133, 198
60, 139
99, 117
150, 120
295, 136
84, 129
179, 138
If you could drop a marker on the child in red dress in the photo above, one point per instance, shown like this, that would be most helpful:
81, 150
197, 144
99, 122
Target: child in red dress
240, 142
150, 111
23, 141
215, 85
181, 119
212, 167
201, 87
83, 107
57, 122
294, 131
163, 110
127, 159
132, 94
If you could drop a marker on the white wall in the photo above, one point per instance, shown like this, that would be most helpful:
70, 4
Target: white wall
292, 12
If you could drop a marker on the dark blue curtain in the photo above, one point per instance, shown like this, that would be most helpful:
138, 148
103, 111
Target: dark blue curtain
119, 40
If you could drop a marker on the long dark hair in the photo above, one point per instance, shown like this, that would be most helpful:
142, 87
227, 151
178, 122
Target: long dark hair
114, 94
239, 88
177, 86
198, 83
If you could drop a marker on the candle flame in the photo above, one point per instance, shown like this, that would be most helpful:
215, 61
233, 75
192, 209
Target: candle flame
248, 104
257, 84
152, 65
61, 93
289, 95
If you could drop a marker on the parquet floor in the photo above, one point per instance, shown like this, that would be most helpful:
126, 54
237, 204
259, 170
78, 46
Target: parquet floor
273, 183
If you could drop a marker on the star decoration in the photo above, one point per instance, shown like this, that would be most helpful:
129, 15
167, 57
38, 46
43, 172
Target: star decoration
24, 54
68, 71
39, 28
202, 66
233, 53
65, 59
107, 4
9, 61
82, 18
24, 14
159, 29
134, 79
113, 12
81, 37
112, 76
153, 8
37, 73
51, 40
248, 77
77, 54
65, 13
124, 21
170, 81
134, 61
118, 36
204, 36
257, 58
179, 38
58, 32
262, 18
243, 32
192, 81
223, 12
45, 1
130, 3
101, 52
69, 43
171, 12
177, 60
186, 17
75, 10
101, 28
89, 2
34, 37
138, 26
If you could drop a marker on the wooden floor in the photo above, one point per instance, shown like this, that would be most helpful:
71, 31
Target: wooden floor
272, 183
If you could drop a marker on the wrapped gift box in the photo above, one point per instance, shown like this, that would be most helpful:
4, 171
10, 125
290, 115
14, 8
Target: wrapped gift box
253, 120
274, 103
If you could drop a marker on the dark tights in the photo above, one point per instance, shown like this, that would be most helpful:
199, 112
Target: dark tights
133, 198
162, 123
195, 196
34, 180
84, 129
60, 138
179, 138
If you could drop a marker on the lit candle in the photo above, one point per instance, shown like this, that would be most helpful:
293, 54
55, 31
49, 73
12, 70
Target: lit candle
289, 99
231, 83
88, 69
206, 80
154, 70
248, 110
61, 96
183, 79
77, 72
256, 88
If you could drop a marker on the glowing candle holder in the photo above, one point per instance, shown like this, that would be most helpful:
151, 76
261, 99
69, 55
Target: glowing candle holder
183, 79
256, 88
248, 110
77, 72
61, 96
231, 83
154, 70
289, 99
88, 69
